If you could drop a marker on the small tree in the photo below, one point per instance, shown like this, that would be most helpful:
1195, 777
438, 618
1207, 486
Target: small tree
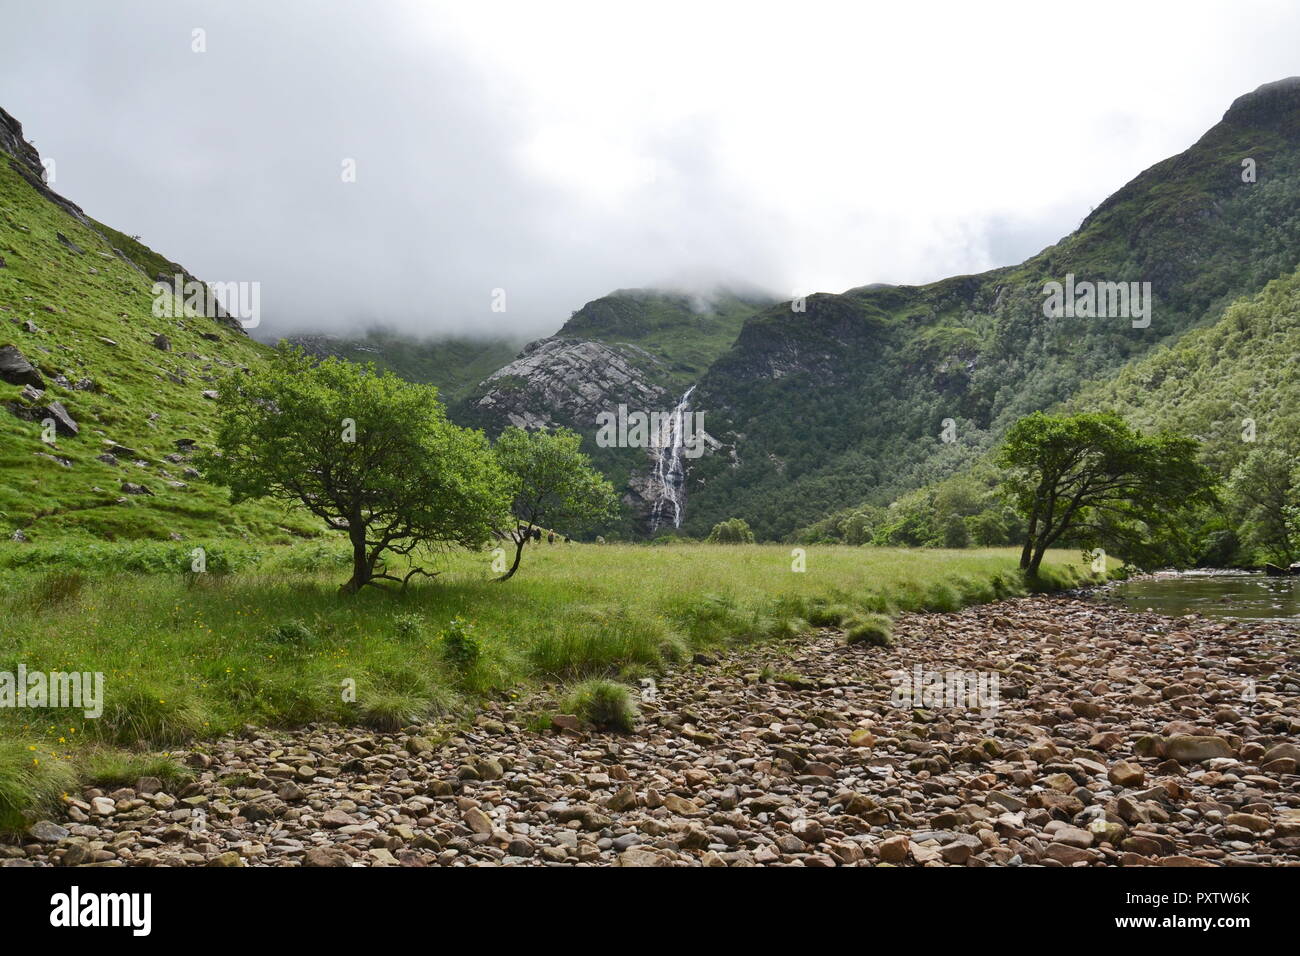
731, 531
1099, 480
552, 485
371, 455
1265, 494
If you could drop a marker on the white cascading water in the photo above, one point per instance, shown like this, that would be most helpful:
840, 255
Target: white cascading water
669, 476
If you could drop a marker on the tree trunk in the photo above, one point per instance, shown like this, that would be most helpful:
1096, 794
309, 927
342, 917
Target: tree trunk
520, 540
362, 566
1030, 533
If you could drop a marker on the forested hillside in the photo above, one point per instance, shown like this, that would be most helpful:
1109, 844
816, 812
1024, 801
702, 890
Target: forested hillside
847, 401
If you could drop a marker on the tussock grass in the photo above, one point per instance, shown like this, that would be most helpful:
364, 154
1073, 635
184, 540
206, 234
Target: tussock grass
831, 615
117, 768
57, 588
31, 782
874, 629
604, 704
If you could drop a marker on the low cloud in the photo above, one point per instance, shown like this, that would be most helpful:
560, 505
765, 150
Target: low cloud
560, 152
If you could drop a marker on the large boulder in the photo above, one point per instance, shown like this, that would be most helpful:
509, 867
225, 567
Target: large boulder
1192, 749
326, 856
63, 422
16, 370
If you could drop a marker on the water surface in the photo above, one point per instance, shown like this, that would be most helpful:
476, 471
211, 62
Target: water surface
1234, 594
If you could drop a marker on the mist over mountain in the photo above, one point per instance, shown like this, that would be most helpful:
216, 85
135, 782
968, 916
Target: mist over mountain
575, 163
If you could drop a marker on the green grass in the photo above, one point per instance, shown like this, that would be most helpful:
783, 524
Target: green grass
30, 781
605, 704
117, 768
190, 656
874, 629
260, 643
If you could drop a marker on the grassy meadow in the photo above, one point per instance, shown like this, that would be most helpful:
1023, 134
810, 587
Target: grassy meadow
188, 656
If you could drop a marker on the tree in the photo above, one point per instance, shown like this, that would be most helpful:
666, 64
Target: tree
370, 454
1265, 494
1097, 479
552, 484
731, 531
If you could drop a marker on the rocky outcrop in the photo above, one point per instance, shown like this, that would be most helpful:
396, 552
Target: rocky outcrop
17, 370
26, 161
1266, 103
563, 382
13, 143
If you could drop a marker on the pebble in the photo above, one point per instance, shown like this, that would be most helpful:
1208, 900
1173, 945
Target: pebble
1121, 738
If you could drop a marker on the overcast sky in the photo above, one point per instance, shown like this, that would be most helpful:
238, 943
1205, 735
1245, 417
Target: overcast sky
561, 150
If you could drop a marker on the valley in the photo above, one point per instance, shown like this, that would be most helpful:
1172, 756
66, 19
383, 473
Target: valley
696, 656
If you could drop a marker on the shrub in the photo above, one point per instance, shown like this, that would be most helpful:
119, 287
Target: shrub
137, 557
603, 704
731, 531
293, 633
955, 534
408, 626
313, 556
875, 630
460, 645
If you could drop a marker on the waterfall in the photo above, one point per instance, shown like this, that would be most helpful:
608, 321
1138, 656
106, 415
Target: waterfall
667, 482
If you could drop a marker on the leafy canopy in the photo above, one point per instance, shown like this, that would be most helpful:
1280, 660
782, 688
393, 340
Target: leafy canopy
1095, 478
731, 531
552, 485
368, 453
1265, 497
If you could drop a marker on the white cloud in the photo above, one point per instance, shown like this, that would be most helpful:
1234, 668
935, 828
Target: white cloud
561, 150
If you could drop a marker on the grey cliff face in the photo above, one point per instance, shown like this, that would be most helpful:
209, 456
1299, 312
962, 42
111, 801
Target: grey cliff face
563, 382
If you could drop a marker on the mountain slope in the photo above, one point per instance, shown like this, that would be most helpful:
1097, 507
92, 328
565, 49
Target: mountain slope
1234, 385
684, 332
641, 348
846, 402
454, 364
76, 303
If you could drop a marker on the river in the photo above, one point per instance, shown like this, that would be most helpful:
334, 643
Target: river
1231, 594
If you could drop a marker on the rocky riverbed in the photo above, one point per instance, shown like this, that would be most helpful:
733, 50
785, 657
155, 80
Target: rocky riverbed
1111, 738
